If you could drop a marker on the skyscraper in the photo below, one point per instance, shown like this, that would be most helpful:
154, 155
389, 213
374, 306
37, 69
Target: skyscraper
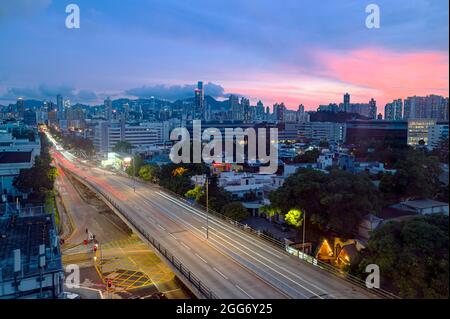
20, 105
279, 110
235, 107
108, 109
372, 109
199, 102
245, 108
393, 110
59, 103
346, 102
426, 107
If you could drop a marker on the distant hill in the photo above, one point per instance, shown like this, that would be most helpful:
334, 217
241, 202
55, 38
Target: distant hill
340, 117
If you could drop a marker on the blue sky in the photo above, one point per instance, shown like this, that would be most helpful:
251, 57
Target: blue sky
295, 51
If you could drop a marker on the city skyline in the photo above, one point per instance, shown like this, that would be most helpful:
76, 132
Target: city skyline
287, 56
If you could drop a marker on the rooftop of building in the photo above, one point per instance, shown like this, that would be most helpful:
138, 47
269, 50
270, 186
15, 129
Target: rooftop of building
27, 234
15, 157
423, 203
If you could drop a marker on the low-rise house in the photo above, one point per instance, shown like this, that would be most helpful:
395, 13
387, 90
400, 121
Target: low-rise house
423, 207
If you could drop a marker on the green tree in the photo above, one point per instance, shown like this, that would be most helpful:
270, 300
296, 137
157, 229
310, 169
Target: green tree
334, 201
441, 150
39, 179
149, 172
235, 211
197, 194
123, 146
417, 175
412, 256
308, 157
294, 217
136, 163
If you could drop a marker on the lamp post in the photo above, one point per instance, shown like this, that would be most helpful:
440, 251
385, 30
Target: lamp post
304, 226
207, 207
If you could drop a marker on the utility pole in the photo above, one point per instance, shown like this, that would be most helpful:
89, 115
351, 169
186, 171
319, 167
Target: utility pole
304, 226
134, 174
207, 207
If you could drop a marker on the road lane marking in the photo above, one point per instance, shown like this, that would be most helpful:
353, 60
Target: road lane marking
186, 246
268, 260
254, 258
171, 235
161, 227
200, 257
237, 248
245, 253
221, 224
220, 273
237, 286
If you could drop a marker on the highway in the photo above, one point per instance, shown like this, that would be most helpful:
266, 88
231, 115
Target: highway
232, 263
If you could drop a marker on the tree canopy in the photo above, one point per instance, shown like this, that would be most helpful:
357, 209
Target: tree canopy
123, 146
412, 256
235, 211
417, 176
334, 201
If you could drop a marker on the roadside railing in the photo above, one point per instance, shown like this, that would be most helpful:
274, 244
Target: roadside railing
290, 250
197, 283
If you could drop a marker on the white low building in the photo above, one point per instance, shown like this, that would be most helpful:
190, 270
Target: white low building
15, 154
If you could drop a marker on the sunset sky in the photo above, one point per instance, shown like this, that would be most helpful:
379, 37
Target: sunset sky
296, 51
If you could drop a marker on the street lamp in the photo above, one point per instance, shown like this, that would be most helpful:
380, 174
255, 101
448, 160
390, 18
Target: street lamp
304, 226
207, 206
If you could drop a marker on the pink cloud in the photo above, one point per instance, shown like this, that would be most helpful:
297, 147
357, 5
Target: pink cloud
389, 74
364, 73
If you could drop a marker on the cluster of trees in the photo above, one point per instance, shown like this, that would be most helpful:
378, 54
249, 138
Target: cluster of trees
38, 181
23, 133
412, 256
123, 146
75, 142
177, 178
333, 202
308, 157
417, 175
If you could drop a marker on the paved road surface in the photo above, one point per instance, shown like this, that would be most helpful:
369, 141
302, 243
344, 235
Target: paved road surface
232, 263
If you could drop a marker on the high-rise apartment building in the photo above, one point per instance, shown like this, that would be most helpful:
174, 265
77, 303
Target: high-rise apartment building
394, 111
426, 107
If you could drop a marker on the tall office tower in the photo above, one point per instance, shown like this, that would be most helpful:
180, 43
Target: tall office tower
245, 107
302, 116
372, 114
59, 103
235, 107
346, 107
279, 110
259, 111
108, 109
20, 105
199, 102
267, 116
